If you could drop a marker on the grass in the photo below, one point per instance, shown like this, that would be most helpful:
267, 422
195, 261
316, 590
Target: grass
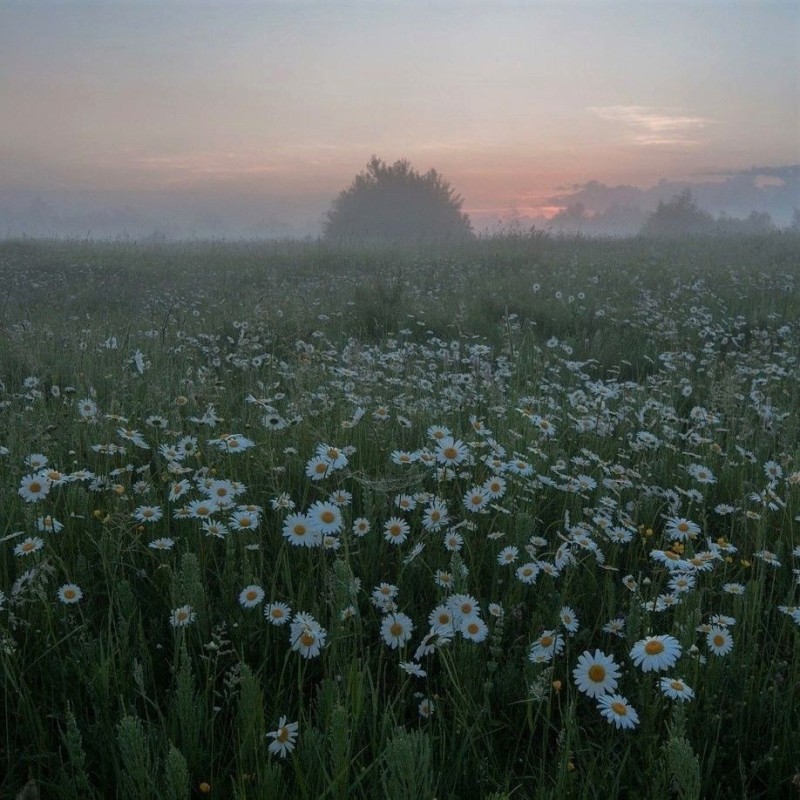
620, 372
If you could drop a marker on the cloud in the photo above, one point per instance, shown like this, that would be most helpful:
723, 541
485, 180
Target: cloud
648, 126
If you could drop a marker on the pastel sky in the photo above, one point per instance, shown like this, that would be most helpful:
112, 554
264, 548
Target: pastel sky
279, 104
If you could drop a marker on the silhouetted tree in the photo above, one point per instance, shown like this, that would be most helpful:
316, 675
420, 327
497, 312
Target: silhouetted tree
678, 217
397, 203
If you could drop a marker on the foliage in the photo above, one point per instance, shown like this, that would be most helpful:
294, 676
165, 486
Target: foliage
616, 368
397, 203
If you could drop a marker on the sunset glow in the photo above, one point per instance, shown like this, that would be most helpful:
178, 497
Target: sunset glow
264, 111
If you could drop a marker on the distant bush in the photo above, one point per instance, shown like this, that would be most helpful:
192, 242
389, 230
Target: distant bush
397, 203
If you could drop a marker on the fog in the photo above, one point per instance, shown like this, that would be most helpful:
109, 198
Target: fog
590, 208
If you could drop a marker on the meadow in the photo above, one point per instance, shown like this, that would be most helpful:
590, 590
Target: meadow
513, 519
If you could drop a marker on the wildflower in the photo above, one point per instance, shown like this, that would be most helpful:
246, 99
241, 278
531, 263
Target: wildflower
361, 526
464, 607
426, 708
148, 514
701, 474
681, 529
545, 647
277, 613
733, 588
495, 487
568, 619
508, 555
298, 530
656, 653
307, 636
318, 468
28, 546
476, 499
528, 572
451, 451
201, 509
435, 516
396, 530
333, 455
615, 708
616, 627
70, 593
164, 543
596, 674
243, 521
476, 630
441, 620
719, 640
251, 596
675, 689
181, 617
396, 629
413, 668
284, 738
48, 524
325, 517
453, 541
33, 488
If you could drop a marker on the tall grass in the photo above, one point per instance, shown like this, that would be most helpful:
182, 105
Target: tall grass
617, 369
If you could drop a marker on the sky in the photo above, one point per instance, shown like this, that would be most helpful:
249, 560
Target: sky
232, 117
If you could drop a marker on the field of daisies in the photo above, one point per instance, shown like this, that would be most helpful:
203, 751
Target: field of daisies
516, 519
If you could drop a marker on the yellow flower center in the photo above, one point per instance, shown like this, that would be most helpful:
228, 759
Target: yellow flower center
473, 628
307, 639
277, 613
396, 629
244, 522
283, 735
597, 673
620, 709
35, 486
719, 640
654, 647
69, 593
677, 686
251, 595
450, 452
299, 530
327, 517
546, 641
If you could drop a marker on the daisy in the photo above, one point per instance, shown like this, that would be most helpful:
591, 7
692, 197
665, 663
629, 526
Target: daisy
70, 593
441, 620
476, 499
405, 502
464, 607
33, 488
616, 627
251, 596
596, 674
568, 619
181, 617
148, 514
298, 530
476, 630
28, 546
615, 708
318, 468
48, 524
676, 689
201, 509
701, 474
453, 541
719, 640
361, 526
396, 629
326, 517
528, 572
426, 708
307, 636
656, 653
277, 613
508, 555
396, 530
412, 668
549, 644
243, 521
451, 451
495, 487
435, 516
681, 529
333, 455
283, 739
164, 543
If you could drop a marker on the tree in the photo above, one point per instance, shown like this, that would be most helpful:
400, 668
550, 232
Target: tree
397, 203
678, 217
